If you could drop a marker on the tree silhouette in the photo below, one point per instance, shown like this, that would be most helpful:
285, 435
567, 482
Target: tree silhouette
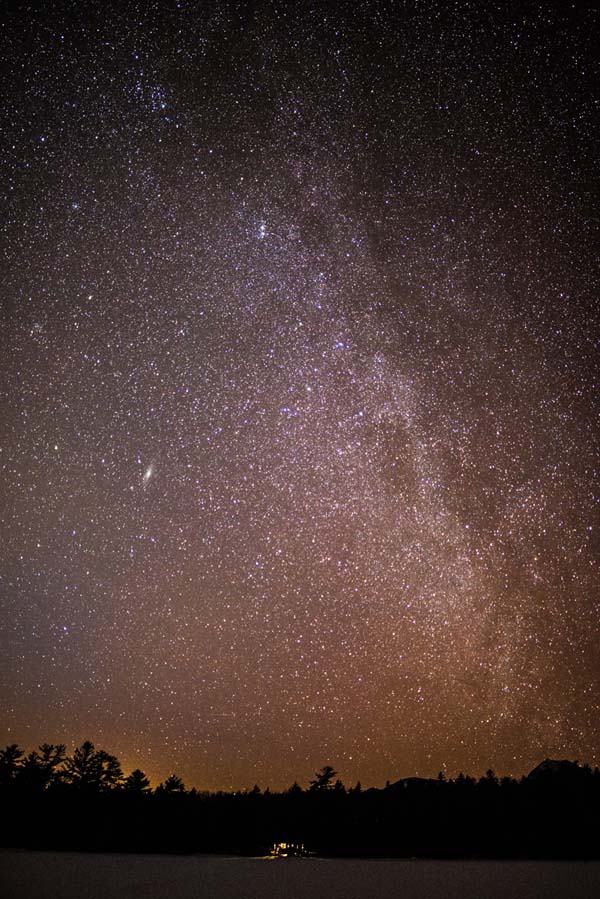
81, 769
92, 769
111, 773
39, 770
323, 779
9, 763
31, 772
173, 784
137, 782
490, 779
51, 757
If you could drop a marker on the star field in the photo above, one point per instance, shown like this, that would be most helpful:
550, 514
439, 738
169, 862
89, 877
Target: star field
299, 387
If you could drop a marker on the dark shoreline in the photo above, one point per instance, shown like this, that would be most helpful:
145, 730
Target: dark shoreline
85, 804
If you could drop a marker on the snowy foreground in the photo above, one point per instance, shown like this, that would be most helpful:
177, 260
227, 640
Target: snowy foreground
53, 875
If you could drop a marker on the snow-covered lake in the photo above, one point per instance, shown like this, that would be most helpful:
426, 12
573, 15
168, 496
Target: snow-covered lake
69, 875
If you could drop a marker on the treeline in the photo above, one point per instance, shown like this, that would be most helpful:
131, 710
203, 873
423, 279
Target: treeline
52, 800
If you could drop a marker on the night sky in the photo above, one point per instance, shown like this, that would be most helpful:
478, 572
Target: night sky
299, 387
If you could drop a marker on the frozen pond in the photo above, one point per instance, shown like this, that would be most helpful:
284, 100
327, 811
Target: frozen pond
69, 875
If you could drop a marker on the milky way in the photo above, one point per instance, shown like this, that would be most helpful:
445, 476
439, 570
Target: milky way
299, 387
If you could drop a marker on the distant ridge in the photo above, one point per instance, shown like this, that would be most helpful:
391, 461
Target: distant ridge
554, 768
